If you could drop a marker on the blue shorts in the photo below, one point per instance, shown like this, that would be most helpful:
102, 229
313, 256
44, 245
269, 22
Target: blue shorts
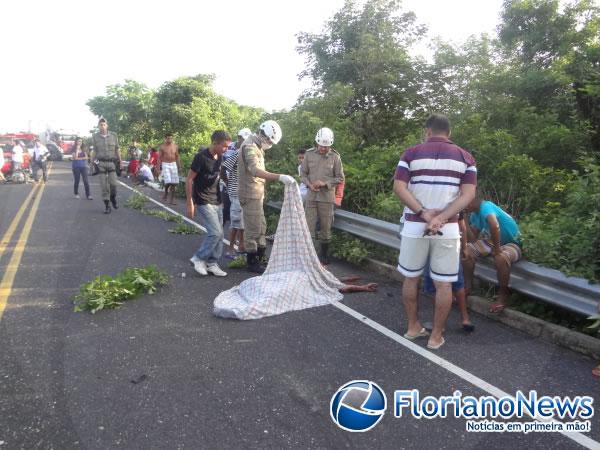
429, 287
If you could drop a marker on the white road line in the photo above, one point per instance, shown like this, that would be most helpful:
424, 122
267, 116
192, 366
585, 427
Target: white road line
580, 438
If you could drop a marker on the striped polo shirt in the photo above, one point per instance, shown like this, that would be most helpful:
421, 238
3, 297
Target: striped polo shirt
434, 172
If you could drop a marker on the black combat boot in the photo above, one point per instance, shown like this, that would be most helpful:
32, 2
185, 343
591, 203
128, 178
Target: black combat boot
254, 265
106, 207
113, 200
324, 253
261, 253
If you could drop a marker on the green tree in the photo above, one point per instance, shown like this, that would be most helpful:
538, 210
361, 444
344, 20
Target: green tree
367, 50
127, 107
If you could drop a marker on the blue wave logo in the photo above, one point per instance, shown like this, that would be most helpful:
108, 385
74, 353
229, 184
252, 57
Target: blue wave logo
358, 406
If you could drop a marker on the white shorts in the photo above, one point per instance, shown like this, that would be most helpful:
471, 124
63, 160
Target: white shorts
443, 254
235, 214
169, 173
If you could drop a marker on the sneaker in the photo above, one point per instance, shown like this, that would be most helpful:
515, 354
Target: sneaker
216, 270
76, 195
200, 267
90, 198
193, 260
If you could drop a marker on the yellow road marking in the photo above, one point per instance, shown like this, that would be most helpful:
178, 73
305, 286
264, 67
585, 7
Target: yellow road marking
15, 260
15, 222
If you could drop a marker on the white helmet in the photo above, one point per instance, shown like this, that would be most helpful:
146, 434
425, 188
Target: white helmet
324, 137
272, 130
244, 133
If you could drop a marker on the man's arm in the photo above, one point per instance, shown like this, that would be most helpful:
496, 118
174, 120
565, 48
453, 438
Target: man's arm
407, 197
467, 193
338, 174
177, 158
251, 163
189, 182
492, 221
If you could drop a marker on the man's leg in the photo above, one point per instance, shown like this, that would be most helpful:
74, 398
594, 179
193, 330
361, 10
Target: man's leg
444, 266
104, 186
210, 219
411, 261
34, 168
410, 288
311, 215
113, 182
253, 224
325, 214
443, 303
45, 171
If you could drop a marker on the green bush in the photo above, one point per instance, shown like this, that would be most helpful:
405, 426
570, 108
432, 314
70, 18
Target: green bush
567, 236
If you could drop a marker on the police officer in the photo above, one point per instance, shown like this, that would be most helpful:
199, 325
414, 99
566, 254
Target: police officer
106, 151
251, 190
321, 172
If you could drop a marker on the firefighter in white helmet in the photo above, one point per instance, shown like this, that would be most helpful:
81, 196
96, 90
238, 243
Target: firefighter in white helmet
251, 190
321, 172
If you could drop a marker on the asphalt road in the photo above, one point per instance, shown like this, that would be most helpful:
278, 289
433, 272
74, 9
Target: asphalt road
163, 373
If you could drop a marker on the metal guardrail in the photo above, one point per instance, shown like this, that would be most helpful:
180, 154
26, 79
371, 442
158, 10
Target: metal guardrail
549, 285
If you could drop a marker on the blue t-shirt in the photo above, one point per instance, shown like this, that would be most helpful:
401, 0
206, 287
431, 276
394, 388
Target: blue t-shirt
509, 230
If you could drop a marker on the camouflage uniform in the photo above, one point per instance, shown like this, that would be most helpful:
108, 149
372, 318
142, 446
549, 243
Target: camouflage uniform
106, 150
327, 168
251, 192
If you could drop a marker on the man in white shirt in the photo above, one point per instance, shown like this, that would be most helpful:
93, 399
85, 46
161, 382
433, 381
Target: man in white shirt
17, 156
144, 173
39, 155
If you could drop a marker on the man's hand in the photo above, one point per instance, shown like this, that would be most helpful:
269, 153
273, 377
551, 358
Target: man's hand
286, 179
190, 209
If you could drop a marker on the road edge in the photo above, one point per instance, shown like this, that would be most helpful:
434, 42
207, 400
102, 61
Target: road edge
549, 332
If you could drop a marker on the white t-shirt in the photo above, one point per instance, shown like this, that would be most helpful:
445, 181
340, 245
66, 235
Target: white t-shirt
17, 154
145, 171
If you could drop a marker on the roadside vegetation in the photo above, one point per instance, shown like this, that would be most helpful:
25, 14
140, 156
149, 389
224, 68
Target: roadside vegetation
105, 292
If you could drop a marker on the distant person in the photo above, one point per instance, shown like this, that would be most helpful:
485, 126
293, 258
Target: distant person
435, 180
39, 155
229, 172
106, 151
321, 172
231, 150
17, 156
203, 194
153, 161
144, 173
169, 163
134, 154
499, 234
79, 166
251, 190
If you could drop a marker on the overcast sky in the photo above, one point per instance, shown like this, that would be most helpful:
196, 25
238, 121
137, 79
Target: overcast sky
58, 54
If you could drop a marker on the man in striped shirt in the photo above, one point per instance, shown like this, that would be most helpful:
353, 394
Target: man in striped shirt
435, 181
